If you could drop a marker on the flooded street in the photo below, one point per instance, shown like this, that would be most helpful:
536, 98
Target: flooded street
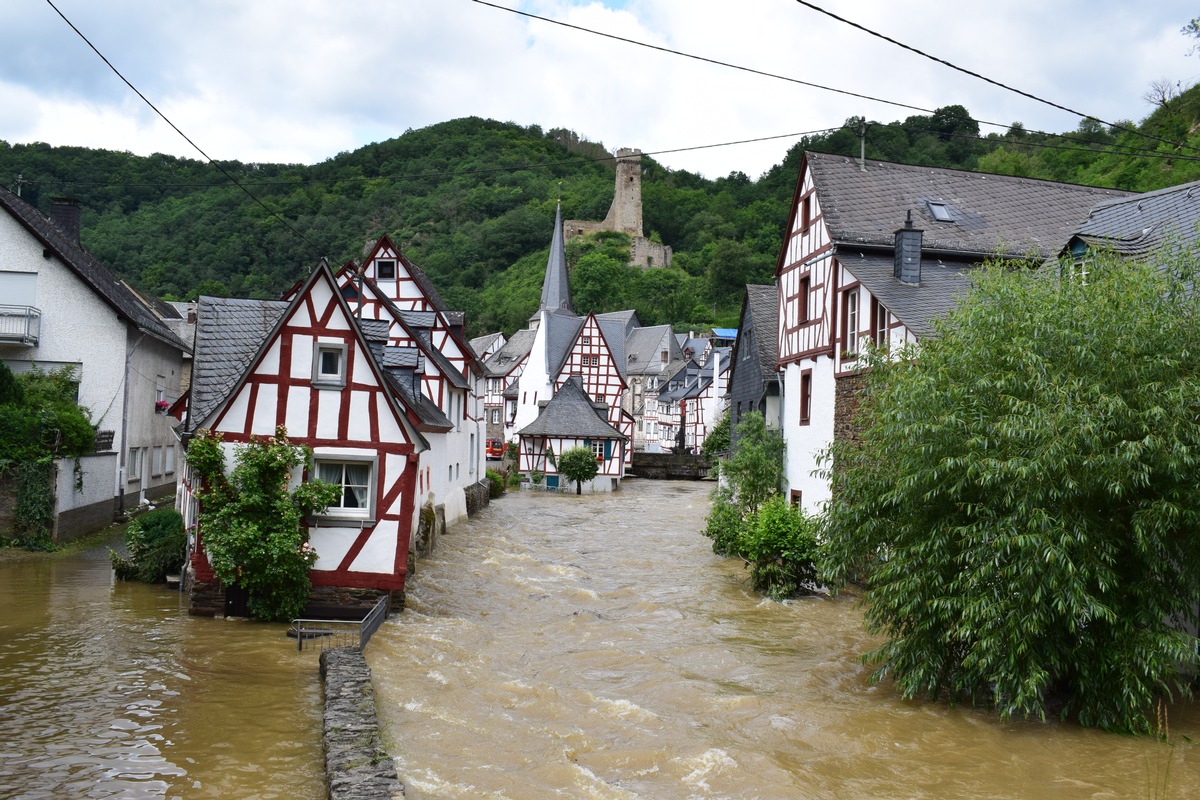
594, 647
109, 690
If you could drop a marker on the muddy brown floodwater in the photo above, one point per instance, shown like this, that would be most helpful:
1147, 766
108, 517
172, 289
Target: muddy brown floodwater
594, 647
109, 690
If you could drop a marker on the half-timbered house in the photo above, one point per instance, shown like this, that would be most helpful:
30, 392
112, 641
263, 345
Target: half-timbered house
873, 252
309, 366
570, 419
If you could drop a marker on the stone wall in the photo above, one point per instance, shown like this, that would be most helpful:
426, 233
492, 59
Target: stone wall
848, 391
478, 497
356, 765
669, 466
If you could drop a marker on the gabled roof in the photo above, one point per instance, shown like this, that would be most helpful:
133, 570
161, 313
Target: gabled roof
514, 350
571, 414
125, 302
614, 335
561, 331
628, 319
761, 307
989, 214
411, 323
643, 349
480, 344
229, 334
1140, 224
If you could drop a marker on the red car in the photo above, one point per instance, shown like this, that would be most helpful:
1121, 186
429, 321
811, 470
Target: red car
495, 449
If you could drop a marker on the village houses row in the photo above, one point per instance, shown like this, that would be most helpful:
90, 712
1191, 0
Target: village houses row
366, 365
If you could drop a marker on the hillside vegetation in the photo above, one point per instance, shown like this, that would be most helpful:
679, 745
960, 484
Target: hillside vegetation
471, 201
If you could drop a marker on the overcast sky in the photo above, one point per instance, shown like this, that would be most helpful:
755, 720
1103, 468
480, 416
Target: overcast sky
302, 80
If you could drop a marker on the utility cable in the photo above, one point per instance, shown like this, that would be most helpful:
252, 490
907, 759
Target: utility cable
233, 179
984, 78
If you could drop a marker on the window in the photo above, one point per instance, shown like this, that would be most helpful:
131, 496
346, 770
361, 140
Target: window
385, 270
160, 394
585, 340
805, 396
595, 362
850, 321
663, 356
802, 297
355, 477
169, 459
495, 416
940, 211
156, 459
797, 497
329, 364
879, 324
806, 213
598, 449
134, 464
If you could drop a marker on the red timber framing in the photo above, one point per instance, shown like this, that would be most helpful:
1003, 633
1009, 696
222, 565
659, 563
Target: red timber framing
347, 416
591, 358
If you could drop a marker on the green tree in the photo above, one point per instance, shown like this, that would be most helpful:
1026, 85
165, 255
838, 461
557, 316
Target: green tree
1022, 502
578, 464
252, 519
754, 470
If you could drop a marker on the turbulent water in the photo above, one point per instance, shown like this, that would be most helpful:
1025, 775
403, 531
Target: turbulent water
594, 647
109, 690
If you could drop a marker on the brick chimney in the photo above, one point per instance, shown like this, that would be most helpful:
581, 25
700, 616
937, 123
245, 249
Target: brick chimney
65, 213
907, 267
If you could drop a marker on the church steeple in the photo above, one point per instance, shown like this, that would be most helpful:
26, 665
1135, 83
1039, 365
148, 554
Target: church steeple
556, 292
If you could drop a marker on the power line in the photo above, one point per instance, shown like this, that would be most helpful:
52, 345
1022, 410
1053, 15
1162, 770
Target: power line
984, 78
233, 179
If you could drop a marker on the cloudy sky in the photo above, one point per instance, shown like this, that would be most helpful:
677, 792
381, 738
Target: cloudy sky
302, 80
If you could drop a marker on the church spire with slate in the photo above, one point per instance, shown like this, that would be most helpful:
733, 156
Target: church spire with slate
556, 292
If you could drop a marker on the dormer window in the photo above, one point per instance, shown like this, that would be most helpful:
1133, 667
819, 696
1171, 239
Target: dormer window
329, 365
940, 211
385, 270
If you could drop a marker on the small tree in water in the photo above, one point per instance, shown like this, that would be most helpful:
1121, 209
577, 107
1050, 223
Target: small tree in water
578, 464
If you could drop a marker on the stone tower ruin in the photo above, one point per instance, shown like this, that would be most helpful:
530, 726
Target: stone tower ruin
625, 214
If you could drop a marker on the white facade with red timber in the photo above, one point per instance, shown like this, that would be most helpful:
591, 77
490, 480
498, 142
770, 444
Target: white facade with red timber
314, 376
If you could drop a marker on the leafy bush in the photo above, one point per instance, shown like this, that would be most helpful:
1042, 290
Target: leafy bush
717, 440
156, 542
781, 546
251, 520
495, 483
1023, 501
724, 523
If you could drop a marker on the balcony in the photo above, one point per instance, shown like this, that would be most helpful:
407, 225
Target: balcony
20, 325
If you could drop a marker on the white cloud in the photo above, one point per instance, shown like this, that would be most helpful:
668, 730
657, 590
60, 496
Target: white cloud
302, 81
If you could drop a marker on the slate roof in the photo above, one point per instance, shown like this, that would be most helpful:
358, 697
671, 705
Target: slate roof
429, 416
556, 289
128, 305
762, 306
480, 344
229, 333
643, 349
571, 414
507, 357
374, 330
628, 319
561, 330
614, 334
1140, 224
991, 214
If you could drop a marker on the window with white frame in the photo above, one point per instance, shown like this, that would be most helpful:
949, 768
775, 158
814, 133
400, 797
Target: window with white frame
495, 416
598, 449
156, 457
851, 322
133, 466
169, 460
585, 340
356, 479
595, 362
329, 364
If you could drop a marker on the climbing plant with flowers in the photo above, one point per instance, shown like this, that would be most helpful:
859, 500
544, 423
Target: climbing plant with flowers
252, 518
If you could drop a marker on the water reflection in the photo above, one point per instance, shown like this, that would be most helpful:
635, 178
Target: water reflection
594, 647
109, 690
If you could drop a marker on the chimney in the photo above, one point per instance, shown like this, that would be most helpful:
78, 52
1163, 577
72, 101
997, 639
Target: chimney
64, 212
907, 268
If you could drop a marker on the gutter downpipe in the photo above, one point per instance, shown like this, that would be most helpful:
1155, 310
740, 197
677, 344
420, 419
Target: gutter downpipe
123, 455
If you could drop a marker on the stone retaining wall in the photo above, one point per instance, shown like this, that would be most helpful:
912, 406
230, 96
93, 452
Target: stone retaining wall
356, 765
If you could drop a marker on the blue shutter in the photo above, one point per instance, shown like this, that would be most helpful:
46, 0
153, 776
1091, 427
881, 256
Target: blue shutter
607, 449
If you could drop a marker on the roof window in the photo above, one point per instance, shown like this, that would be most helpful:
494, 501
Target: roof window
940, 211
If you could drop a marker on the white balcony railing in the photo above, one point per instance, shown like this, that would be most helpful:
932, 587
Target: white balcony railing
20, 324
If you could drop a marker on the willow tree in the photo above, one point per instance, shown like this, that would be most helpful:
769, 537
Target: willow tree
1023, 504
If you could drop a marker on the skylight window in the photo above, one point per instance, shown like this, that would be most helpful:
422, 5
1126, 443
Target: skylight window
940, 211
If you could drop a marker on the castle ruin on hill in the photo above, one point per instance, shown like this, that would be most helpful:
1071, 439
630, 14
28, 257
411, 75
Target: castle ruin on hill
625, 214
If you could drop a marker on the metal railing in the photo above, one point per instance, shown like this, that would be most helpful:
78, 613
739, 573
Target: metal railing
327, 634
20, 324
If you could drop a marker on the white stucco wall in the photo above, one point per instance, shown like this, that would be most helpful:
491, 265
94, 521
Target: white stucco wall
805, 442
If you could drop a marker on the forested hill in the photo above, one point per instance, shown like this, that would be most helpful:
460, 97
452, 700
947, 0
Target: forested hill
472, 202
